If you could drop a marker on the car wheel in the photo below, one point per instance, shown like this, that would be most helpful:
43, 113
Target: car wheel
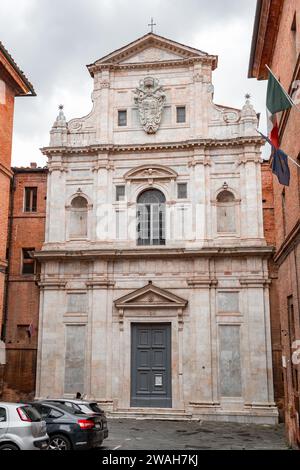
8, 447
59, 442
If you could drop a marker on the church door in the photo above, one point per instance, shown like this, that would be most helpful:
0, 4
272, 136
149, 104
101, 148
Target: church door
151, 365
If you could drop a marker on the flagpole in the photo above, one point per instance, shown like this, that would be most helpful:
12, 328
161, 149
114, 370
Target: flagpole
290, 158
285, 92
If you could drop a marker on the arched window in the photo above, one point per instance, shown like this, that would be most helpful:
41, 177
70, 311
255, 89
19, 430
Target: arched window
151, 218
78, 219
226, 212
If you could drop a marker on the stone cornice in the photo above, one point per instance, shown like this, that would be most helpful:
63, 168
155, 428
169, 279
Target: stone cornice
161, 253
52, 285
186, 145
267, 21
289, 244
206, 60
6, 171
118, 58
99, 284
254, 282
201, 282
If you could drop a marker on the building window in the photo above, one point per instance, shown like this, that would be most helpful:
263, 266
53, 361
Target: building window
78, 219
182, 190
24, 332
122, 118
151, 216
226, 219
30, 200
180, 114
28, 262
120, 193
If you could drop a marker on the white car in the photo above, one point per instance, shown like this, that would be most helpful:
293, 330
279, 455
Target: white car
22, 428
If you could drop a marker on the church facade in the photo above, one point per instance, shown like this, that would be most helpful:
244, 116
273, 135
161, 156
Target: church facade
154, 272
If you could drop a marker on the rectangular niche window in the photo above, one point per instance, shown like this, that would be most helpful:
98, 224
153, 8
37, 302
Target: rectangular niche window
120, 193
28, 263
75, 358
122, 118
230, 361
228, 302
182, 190
76, 303
30, 199
180, 114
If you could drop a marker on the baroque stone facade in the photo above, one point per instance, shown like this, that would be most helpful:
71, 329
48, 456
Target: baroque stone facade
154, 281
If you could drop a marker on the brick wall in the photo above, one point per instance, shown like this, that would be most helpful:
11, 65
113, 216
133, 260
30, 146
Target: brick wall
28, 231
6, 125
269, 232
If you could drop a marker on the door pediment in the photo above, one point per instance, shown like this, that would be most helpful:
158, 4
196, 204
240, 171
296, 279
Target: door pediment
150, 296
153, 172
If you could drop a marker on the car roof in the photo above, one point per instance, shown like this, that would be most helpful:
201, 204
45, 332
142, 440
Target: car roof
51, 404
71, 400
6, 403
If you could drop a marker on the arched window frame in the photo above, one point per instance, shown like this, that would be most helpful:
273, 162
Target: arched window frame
235, 203
69, 208
162, 216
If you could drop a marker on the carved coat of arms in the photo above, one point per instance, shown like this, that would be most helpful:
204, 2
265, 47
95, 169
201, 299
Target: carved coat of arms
150, 98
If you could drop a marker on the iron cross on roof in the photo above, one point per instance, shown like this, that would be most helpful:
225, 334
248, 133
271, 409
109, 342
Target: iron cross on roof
152, 24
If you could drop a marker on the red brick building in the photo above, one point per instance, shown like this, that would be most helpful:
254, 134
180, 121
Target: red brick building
276, 42
269, 231
12, 83
26, 234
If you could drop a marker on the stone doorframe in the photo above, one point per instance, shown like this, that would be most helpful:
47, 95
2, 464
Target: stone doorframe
150, 304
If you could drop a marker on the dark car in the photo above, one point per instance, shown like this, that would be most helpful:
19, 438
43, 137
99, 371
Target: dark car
69, 429
86, 406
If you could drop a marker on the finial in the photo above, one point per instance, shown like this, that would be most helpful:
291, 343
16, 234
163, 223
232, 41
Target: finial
247, 96
151, 24
61, 107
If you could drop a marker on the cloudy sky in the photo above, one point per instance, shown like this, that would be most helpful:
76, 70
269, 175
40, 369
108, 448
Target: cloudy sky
53, 40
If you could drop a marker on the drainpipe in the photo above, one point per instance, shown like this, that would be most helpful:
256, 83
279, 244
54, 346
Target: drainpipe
9, 242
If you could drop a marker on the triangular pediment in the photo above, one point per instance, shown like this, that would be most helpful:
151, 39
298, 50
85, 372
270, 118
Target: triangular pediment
151, 48
152, 172
152, 54
150, 296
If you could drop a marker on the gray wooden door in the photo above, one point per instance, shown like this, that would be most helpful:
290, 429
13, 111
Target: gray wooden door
151, 365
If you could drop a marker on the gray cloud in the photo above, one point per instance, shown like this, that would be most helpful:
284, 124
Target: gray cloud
53, 40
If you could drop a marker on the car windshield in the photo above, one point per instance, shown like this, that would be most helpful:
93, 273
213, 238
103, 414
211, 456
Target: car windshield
32, 413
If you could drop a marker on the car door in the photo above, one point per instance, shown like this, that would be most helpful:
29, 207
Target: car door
3, 421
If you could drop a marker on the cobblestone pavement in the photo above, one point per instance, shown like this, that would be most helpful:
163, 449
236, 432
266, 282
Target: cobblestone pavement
191, 435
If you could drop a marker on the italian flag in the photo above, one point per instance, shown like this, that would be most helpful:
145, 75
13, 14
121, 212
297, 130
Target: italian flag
277, 100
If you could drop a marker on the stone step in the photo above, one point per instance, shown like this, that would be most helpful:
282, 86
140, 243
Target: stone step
151, 414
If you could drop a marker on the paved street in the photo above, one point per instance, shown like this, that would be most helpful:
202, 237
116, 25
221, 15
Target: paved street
185, 435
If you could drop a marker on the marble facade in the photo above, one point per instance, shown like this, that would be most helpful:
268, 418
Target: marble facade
208, 280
